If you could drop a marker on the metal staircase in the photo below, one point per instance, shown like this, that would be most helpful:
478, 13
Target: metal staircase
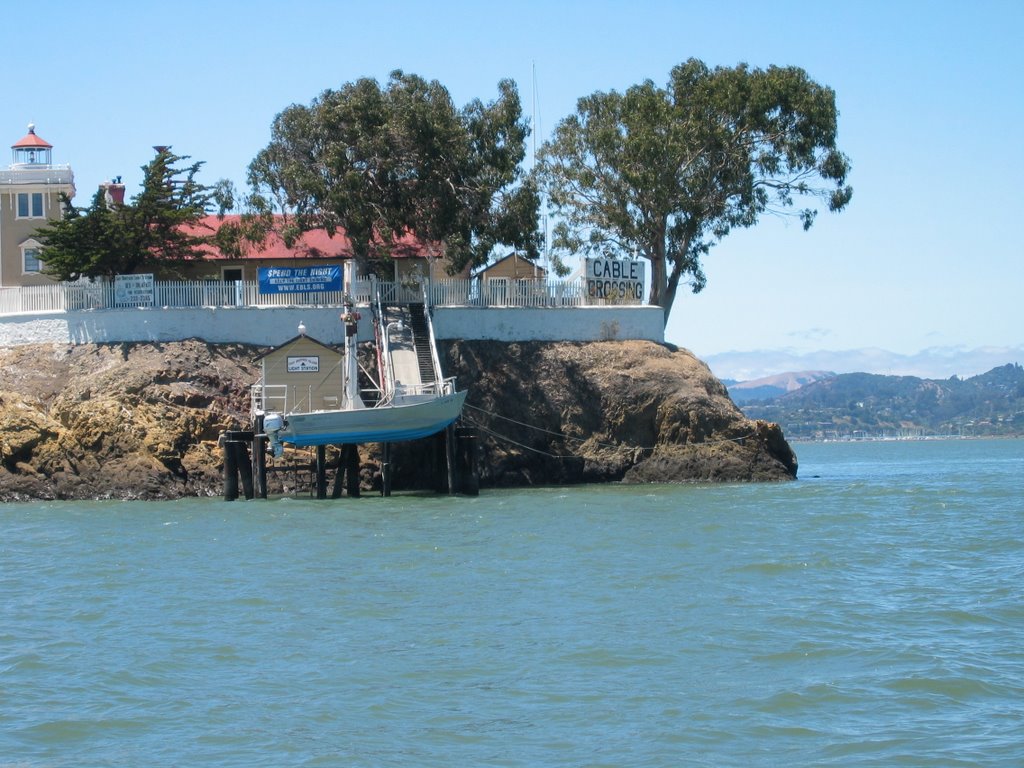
410, 350
421, 342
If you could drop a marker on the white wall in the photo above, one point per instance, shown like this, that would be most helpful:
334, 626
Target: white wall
270, 326
536, 324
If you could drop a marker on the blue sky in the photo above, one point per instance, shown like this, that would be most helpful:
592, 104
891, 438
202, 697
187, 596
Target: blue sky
928, 256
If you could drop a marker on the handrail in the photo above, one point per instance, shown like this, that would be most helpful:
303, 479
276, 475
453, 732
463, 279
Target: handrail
182, 294
434, 358
35, 173
387, 375
264, 396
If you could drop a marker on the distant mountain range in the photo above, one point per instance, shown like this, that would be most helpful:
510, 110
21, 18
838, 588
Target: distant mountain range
931, 363
823, 405
770, 387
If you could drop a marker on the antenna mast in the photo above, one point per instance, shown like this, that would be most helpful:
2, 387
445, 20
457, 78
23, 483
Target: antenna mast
543, 202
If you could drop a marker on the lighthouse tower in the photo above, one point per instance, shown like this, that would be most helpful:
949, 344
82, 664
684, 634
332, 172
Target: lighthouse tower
30, 189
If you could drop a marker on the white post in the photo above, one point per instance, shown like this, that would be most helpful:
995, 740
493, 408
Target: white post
350, 321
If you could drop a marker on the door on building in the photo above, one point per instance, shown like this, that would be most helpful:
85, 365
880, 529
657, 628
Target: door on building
233, 275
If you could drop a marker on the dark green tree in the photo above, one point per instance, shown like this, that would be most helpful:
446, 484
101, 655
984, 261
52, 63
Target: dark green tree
665, 173
153, 229
381, 163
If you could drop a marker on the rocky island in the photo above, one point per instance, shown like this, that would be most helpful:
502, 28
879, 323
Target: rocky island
142, 420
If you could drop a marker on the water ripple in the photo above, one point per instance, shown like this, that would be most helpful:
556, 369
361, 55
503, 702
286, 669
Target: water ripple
866, 616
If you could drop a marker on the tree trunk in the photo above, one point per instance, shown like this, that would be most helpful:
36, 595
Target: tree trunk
659, 269
659, 282
670, 282
669, 297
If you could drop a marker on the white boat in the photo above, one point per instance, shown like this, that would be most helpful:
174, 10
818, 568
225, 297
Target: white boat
403, 406
384, 424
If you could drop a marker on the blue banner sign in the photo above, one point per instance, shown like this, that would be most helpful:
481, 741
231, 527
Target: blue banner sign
299, 279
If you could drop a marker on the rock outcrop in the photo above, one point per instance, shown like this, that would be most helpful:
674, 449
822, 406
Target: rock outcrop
630, 411
118, 420
142, 420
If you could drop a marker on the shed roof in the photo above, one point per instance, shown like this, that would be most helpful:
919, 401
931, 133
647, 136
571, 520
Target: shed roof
513, 255
292, 340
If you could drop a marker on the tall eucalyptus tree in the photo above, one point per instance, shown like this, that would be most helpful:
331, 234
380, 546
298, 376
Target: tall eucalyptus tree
665, 173
385, 162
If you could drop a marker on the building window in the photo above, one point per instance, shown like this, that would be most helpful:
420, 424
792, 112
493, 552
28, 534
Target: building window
30, 205
31, 263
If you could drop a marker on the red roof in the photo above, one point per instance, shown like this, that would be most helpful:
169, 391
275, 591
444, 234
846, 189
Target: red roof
31, 140
315, 244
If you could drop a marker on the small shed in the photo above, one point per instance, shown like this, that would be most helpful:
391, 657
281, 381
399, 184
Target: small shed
302, 375
513, 267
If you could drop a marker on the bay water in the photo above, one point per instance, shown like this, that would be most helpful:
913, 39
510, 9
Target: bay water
868, 614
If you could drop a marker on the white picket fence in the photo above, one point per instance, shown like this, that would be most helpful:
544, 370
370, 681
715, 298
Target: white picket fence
496, 292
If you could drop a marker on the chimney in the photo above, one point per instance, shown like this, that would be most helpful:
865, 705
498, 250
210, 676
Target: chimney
113, 192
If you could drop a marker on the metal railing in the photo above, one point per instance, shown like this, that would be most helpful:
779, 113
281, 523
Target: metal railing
27, 173
496, 292
435, 359
265, 398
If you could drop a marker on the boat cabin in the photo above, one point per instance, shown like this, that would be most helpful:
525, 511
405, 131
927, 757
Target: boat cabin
301, 375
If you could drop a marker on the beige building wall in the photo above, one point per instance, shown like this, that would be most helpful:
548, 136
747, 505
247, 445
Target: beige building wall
17, 234
232, 269
33, 181
409, 269
229, 269
515, 268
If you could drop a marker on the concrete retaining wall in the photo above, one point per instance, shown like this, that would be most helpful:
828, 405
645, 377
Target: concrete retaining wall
535, 324
270, 326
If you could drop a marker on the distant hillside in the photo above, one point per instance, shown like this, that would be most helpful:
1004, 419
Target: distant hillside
931, 363
869, 405
771, 387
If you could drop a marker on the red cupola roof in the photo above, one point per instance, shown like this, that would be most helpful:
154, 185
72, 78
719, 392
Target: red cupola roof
31, 141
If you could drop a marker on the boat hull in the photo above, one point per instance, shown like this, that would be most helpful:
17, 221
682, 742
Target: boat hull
386, 424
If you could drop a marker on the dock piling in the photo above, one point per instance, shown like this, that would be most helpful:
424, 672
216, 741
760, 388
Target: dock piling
244, 464
350, 460
466, 462
385, 470
259, 458
230, 469
236, 463
321, 472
